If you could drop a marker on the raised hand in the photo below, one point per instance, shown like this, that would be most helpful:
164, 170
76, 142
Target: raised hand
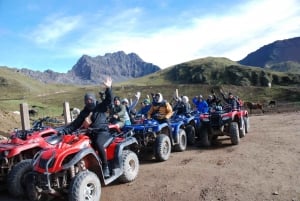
107, 82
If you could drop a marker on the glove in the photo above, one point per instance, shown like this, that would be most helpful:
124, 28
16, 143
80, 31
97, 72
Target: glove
60, 132
138, 95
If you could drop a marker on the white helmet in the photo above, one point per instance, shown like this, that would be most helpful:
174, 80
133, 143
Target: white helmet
125, 100
158, 97
185, 99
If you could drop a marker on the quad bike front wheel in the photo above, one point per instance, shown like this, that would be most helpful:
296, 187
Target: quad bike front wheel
204, 137
16, 178
162, 147
31, 189
182, 141
247, 124
130, 165
234, 133
191, 134
242, 130
85, 186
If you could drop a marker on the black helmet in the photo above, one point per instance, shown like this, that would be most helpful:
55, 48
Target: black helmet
90, 101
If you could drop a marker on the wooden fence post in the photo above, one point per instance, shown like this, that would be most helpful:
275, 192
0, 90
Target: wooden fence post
67, 115
24, 116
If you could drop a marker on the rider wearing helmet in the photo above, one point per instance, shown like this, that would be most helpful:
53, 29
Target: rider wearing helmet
161, 110
94, 115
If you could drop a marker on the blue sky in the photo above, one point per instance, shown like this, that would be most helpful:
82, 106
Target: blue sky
54, 34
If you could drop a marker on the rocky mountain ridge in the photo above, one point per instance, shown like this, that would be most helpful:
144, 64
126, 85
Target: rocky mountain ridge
281, 55
90, 70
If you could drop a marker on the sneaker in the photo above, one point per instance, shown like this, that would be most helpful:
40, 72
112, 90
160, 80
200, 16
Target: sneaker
106, 172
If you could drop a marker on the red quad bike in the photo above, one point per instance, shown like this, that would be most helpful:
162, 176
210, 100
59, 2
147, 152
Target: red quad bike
223, 121
74, 168
16, 154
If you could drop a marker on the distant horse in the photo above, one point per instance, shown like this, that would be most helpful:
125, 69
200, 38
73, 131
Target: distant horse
254, 106
32, 112
272, 103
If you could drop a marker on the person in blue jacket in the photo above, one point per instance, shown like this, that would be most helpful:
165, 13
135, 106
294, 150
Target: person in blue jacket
201, 104
145, 107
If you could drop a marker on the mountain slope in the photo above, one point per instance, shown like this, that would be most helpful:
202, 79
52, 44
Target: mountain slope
281, 55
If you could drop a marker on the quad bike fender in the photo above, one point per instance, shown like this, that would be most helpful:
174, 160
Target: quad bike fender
16, 150
189, 120
175, 131
81, 154
131, 141
161, 126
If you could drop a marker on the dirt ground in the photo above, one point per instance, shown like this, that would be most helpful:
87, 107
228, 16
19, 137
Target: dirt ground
264, 166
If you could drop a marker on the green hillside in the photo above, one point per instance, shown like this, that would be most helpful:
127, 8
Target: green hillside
219, 71
15, 88
191, 78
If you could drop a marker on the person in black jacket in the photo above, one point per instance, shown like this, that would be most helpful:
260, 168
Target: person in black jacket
230, 99
94, 115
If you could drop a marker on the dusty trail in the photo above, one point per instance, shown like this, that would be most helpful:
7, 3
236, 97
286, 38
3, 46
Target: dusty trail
264, 166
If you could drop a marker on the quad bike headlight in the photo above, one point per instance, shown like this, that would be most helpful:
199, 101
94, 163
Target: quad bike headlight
205, 119
225, 118
6, 153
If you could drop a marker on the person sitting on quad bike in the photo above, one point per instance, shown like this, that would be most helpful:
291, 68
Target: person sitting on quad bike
160, 110
118, 114
231, 100
182, 106
130, 107
145, 107
213, 100
200, 103
94, 115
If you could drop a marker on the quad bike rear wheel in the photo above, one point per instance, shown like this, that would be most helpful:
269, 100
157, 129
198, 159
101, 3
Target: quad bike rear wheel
182, 141
85, 186
130, 165
16, 178
162, 147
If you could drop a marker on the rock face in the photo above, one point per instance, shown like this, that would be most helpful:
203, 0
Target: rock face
118, 65
281, 55
91, 70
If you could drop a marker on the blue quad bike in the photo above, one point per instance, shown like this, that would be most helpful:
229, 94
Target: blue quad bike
191, 125
159, 139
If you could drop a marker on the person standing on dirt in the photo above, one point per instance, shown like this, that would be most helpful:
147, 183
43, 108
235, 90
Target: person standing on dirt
94, 115
201, 104
160, 110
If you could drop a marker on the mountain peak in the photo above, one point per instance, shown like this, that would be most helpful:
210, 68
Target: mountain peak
277, 52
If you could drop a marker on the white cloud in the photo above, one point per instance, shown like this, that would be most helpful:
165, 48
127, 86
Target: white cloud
54, 28
244, 29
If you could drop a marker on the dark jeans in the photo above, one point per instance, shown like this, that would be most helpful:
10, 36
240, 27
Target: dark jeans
99, 138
